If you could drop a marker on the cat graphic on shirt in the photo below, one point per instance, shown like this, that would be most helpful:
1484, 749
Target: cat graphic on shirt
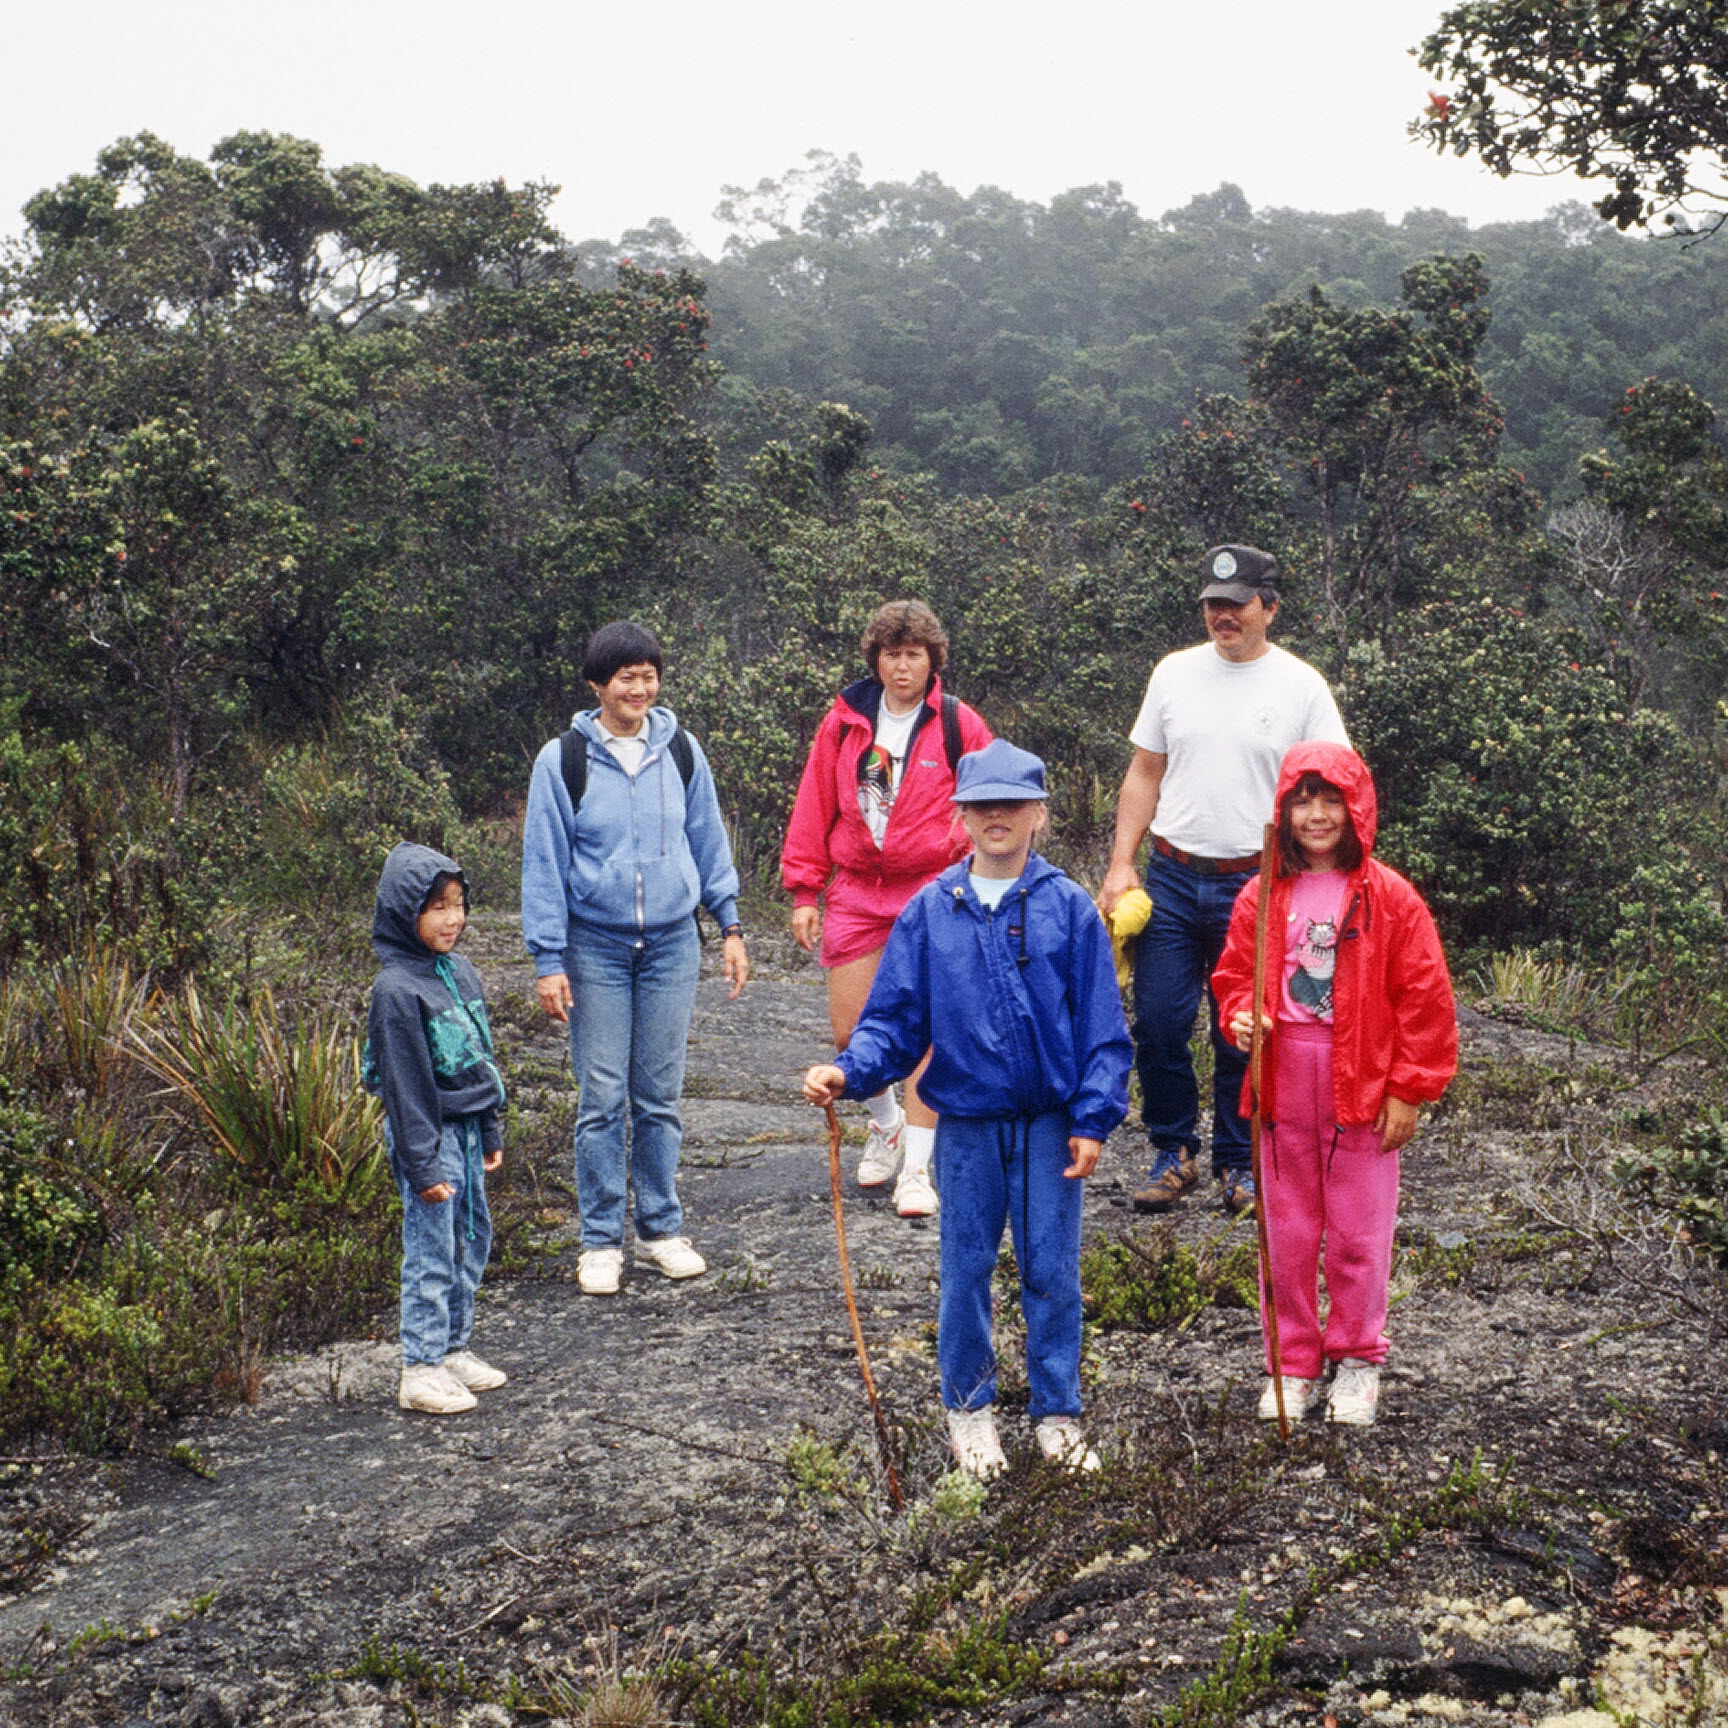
1316, 960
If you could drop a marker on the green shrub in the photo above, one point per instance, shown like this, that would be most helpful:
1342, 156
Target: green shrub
282, 1101
1527, 805
92, 858
333, 808
1690, 1180
47, 1228
1128, 1282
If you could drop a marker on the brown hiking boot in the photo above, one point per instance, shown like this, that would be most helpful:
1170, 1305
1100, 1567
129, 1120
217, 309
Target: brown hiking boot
1238, 1188
1174, 1173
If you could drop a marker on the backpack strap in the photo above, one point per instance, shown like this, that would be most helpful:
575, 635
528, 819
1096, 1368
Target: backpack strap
573, 760
951, 739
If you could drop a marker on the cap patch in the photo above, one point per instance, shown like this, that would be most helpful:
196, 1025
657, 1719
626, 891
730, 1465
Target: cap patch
1223, 567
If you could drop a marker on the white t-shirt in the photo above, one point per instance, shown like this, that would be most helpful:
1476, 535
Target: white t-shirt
628, 751
1224, 726
992, 890
883, 766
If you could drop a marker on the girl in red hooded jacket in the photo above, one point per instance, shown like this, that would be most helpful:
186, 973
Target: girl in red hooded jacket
1360, 1031
872, 823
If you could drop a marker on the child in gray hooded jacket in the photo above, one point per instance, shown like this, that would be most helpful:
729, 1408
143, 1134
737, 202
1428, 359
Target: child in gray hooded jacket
429, 1057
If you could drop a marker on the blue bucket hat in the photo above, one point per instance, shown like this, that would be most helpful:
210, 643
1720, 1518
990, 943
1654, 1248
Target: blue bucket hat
1000, 773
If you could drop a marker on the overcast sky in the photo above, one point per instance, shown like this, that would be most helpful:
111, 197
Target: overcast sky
640, 111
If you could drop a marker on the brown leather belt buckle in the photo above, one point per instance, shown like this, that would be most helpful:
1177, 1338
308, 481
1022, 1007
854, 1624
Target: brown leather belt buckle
1207, 866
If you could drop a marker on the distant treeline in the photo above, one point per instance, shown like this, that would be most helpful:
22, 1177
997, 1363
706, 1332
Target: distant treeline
997, 341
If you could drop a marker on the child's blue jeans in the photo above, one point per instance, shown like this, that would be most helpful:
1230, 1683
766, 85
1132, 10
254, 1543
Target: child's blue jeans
993, 1171
444, 1248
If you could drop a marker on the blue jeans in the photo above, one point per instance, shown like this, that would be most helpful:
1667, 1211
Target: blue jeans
993, 1171
444, 1248
629, 1028
1172, 966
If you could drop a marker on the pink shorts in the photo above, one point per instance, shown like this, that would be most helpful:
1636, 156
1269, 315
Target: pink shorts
857, 916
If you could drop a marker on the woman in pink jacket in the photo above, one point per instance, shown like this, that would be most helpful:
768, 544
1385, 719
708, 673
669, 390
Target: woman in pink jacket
872, 823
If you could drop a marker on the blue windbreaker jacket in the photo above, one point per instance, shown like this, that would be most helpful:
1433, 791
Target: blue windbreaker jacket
1019, 1005
641, 855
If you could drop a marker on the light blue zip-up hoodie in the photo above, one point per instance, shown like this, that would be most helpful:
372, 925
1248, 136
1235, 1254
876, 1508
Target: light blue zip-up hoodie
640, 856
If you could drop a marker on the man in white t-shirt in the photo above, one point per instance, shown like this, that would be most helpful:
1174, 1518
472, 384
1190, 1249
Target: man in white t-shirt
1211, 732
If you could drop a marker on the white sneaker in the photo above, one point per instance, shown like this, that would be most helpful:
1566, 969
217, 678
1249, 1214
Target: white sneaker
467, 1369
427, 1386
977, 1446
598, 1271
1301, 1398
1061, 1441
915, 1194
1355, 1393
673, 1255
882, 1154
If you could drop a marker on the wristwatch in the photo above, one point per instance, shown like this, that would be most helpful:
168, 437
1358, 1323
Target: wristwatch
734, 930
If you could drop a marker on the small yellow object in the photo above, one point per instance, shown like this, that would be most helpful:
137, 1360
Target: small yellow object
1128, 917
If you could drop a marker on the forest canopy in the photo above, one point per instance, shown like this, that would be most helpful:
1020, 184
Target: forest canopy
316, 479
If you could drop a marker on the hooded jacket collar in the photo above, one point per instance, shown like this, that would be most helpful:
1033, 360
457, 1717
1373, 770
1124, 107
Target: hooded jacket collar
407, 879
661, 724
864, 699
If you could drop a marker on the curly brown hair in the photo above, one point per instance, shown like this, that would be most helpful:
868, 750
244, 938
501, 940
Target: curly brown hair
900, 622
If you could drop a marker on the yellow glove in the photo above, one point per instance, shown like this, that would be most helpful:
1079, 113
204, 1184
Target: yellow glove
1128, 918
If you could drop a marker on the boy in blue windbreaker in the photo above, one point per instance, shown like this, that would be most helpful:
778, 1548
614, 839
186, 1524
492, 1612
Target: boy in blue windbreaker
429, 1057
1001, 967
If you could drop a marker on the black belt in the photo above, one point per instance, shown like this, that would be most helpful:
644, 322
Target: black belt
1207, 866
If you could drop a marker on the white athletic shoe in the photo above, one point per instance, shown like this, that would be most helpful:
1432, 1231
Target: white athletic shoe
1061, 1441
428, 1386
882, 1154
977, 1446
467, 1369
915, 1194
1301, 1398
598, 1271
1355, 1393
672, 1255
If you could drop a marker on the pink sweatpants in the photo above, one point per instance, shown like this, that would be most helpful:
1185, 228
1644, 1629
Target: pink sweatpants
1323, 1182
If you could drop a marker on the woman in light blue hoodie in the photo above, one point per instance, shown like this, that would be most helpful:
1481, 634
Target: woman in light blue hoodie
622, 841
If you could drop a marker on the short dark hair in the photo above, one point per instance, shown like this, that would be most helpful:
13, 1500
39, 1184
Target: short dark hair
615, 646
439, 883
1290, 860
900, 622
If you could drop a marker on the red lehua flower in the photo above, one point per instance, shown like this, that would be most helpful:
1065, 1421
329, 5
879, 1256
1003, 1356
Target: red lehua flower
358, 443
1439, 105
1137, 507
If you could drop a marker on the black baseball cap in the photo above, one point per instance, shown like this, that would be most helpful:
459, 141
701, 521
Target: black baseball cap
1238, 573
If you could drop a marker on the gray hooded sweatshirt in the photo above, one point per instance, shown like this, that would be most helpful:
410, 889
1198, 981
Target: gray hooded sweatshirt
428, 1040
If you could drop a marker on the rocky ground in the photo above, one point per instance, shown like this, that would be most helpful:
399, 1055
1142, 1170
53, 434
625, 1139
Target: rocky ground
682, 1482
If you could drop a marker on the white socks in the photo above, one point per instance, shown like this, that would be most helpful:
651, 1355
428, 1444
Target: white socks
920, 1146
884, 1110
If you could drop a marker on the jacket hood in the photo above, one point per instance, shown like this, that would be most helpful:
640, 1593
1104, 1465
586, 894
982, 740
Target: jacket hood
1347, 771
409, 873
662, 723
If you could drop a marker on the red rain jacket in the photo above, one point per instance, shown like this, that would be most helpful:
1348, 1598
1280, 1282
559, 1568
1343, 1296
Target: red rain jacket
827, 833
1394, 1025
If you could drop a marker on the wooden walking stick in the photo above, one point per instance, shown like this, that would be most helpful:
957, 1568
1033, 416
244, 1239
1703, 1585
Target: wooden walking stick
894, 1493
1256, 1046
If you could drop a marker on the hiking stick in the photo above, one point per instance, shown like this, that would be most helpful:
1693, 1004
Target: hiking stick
894, 1493
1268, 859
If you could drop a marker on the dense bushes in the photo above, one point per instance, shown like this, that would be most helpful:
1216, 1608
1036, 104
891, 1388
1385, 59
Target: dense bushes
1529, 805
